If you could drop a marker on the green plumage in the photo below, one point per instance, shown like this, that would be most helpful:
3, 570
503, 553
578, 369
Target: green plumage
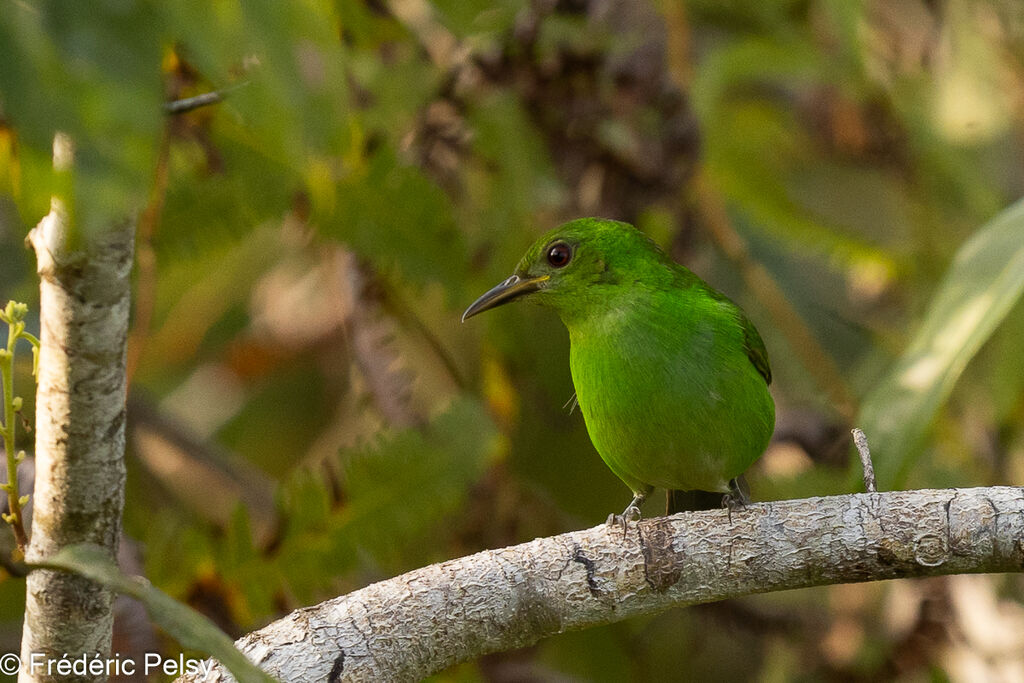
671, 377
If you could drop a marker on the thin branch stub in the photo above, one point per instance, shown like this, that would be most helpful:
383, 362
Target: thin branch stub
861, 441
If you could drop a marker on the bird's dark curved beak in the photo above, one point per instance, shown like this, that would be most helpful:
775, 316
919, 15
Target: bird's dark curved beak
512, 288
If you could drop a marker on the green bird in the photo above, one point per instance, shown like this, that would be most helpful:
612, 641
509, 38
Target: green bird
670, 375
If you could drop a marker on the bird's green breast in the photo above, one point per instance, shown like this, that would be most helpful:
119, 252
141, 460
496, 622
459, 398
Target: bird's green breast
669, 394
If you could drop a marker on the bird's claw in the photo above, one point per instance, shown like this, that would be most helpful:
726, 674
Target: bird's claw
737, 498
732, 502
630, 514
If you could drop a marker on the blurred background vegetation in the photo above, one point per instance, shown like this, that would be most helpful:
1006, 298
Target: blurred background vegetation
307, 414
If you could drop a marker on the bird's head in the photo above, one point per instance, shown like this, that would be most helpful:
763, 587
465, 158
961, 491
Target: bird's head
577, 265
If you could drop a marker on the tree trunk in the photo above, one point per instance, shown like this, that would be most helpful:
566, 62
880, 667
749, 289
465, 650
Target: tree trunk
80, 420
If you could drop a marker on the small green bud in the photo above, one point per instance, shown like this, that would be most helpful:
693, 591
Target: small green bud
8, 518
14, 311
23, 500
6, 487
4, 354
17, 403
19, 456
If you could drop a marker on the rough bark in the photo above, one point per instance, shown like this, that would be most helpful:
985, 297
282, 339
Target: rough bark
421, 622
80, 418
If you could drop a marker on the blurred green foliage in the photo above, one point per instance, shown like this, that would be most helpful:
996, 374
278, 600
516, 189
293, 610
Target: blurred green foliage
187, 626
308, 415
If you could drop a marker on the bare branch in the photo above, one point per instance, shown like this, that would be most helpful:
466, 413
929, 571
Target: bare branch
410, 626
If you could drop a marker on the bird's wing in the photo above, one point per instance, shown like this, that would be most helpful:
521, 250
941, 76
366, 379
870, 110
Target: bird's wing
754, 347
752, 342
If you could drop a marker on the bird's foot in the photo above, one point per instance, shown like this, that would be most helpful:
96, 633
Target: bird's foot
630, 514
736, 499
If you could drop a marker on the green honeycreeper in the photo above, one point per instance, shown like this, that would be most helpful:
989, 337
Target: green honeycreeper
670, 375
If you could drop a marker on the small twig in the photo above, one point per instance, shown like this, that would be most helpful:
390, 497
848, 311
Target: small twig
188, 104
14, 316
861, 441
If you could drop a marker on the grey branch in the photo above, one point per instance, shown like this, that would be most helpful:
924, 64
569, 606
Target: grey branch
421, 622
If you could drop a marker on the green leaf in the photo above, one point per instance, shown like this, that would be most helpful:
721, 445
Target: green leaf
983, 283
393, 215
93, 72
399, 494
757, 153
190, 628
476, 19
400, 489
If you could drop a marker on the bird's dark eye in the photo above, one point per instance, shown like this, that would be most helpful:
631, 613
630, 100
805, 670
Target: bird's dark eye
559, 254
